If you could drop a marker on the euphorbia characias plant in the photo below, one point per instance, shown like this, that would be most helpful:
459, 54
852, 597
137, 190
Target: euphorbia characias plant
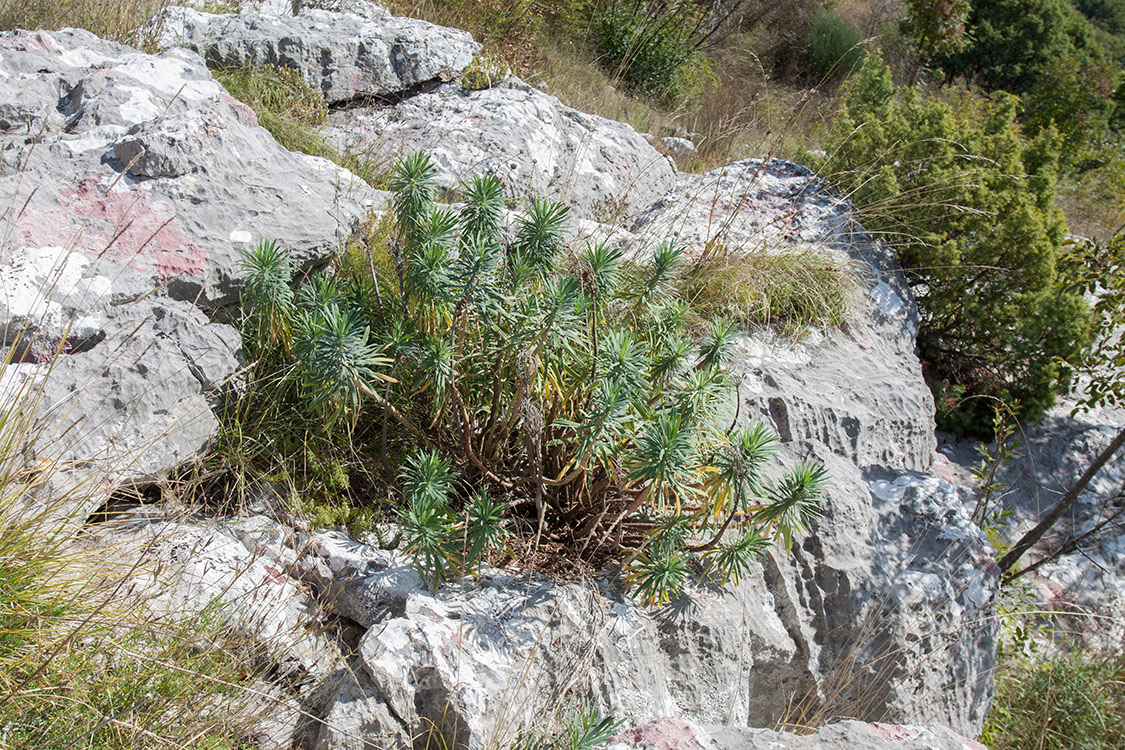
531, 385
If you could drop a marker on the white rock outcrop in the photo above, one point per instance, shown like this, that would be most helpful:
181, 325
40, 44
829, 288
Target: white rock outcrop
602, 169
1085, 586
132, 182
344, 56
129, 186
888, 607
675, 734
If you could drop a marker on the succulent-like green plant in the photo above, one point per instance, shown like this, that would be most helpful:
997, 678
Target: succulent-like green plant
267, 296
792, 503
484, 527
585, 728
557, 390
428, 522
335, 358
659, 576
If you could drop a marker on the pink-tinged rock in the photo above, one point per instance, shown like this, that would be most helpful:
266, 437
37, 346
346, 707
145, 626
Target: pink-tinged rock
130, 185
664, 734
894, 732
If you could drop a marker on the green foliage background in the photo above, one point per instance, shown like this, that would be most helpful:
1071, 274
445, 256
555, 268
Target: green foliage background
1073, 701
649, 46
1011, 41
969, 206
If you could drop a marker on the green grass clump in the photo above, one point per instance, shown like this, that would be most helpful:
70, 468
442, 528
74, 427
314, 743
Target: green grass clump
287, 106
83, 662
1073, 701
834, 48
796, 288
293, 112
523, 395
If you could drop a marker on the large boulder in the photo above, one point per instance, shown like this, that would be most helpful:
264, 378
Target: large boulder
538, 147
129, 186
857, 388
884, 613
345, 56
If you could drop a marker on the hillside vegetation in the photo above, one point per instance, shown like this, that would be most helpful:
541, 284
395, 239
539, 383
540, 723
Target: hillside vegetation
1004, 131
973, 137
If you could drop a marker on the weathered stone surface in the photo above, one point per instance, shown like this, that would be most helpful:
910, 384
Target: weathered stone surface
184, 567
228, 182
1088, 583
673, 734
681, 148
538, 147
343, 55
356, 716
885, 611
129, 186
857, 389
129, 397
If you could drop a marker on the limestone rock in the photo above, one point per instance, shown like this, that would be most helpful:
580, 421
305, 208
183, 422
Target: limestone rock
129, 186
681, 148
343, 55
144, 159
887, 607
539, 148
356, 716
859, 388
184, 567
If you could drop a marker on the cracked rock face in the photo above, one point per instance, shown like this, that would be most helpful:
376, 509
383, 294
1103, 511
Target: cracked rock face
130, 184
343, 55
181, 568
886, 610
857, 389
603, 170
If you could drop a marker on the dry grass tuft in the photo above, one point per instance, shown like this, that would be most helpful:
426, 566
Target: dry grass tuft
794, 288
117, 20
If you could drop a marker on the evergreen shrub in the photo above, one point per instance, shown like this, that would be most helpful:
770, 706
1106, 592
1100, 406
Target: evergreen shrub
1011, 41
969, 205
